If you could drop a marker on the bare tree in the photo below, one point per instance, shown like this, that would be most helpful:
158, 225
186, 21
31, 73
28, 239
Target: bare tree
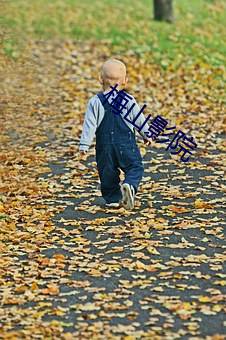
163, 10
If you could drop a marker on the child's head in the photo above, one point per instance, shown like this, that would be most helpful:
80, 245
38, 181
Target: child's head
113, 72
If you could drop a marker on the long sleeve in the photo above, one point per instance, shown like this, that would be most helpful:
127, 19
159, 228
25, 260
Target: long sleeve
95, 113
140, 119
89, 127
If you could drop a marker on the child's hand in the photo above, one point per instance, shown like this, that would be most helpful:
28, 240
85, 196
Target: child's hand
148, 141
83, 152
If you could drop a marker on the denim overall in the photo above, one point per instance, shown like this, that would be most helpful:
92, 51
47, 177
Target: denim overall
116, 149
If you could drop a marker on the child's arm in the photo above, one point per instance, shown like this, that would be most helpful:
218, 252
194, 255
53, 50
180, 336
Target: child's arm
89, 128
139, 120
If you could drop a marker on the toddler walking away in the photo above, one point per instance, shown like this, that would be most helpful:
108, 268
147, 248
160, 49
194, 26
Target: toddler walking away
116, 146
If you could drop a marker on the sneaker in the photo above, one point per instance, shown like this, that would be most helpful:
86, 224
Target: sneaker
128, 194
113, 205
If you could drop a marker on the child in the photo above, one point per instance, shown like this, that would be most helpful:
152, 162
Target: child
116, 146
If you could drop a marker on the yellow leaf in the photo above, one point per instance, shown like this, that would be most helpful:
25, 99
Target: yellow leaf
200, 204
115, 250
222, 282
44, 304
38, 315
1, 208
140, 265
143, 151
67, 336
217, 308
53, 289
160, 226
158, 289
99, 221
55, 323
21, 289
78, 239
155, 161
187, 305
192, 326
153, 251
34, 286
204, 299
59, 257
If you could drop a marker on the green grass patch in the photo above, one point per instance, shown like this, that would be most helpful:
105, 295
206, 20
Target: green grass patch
198, 31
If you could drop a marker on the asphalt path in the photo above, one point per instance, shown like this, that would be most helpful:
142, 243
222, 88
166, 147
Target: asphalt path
154, 273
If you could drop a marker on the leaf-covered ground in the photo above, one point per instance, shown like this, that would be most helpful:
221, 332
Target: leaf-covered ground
69, 268
199, 30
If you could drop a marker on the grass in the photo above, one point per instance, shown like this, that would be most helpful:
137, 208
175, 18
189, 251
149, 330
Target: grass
198, 31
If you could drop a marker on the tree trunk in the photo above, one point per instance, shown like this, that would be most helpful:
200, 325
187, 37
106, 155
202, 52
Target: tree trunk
163, 10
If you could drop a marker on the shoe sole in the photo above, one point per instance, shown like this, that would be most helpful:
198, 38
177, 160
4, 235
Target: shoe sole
116, 206
127, 197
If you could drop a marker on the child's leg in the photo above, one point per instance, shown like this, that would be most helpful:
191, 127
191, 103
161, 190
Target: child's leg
131, 164
107, 166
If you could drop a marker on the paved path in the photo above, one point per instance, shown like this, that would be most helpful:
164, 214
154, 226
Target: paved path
79, 271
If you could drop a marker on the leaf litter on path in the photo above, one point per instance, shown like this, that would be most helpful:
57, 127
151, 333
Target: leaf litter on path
70, 268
